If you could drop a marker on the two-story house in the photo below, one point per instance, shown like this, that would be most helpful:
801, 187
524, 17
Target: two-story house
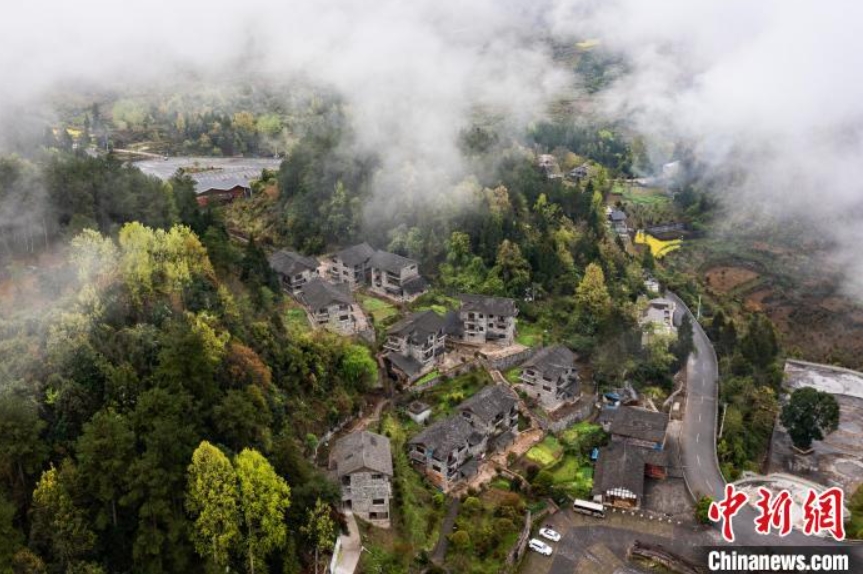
294, 270
658, 318
331, 306
484, 319
395, 276
351, 265
551, 377
450, 450
415, 344
363, 465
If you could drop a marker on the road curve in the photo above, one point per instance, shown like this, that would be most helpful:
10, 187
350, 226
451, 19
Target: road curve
698, 444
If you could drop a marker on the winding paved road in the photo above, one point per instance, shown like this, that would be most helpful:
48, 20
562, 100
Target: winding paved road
698, 444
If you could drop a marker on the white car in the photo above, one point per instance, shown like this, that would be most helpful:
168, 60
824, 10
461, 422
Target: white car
539, 546
549, 534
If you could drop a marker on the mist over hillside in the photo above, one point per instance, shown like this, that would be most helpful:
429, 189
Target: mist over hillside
763, 95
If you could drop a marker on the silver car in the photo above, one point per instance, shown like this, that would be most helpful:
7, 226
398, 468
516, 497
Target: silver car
549, 534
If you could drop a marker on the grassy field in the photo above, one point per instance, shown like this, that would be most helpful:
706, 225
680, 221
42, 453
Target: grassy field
512, 375
295, 319
427, 377
529, 334
641, 195
379, 309
545, 453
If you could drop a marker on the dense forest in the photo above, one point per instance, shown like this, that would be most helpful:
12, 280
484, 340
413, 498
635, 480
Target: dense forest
150, 352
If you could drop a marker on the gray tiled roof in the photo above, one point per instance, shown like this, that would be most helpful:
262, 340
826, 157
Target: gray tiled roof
318, 294
617, 215
415, 285
638, 423
445, 436
291, 263
356, 254
619, 465
390, 261
501, 306
552, 361
362, 451
418, 326
489, 402
405, 363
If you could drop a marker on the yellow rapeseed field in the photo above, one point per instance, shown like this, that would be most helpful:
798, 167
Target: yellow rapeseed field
658, 247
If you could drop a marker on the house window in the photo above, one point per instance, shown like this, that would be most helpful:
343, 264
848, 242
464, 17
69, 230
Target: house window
546, 389
379, 501
346, 480
377, 476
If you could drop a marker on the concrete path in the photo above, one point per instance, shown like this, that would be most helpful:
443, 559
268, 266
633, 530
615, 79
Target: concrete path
350, 547
439, 552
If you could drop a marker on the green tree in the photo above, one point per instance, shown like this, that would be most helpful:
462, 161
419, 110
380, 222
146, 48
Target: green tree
320, 529
104, 450
759, 346
702, 507
592, 296
10, 537
58, 522
512, 268
22, 451
810, 415
264, 499
357, 367
212, 498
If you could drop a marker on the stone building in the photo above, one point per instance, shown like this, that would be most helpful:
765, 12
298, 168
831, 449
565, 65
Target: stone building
363, 464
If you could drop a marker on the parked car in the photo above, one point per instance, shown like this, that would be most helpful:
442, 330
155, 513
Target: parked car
539, 546
549, 534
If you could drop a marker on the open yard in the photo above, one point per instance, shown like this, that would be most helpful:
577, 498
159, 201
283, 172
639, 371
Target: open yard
545, 453
446, 396
379, 309
529, 334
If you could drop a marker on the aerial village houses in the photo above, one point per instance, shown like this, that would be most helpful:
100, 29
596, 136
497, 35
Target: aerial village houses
659, 318
636, 451
331, 306
451, 449
395, 276
294, 270
617, 218
485, 319
550, 376
363, 465
415, 344
351, 265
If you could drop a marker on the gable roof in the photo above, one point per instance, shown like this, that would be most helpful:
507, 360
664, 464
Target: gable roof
390, 261
552, 361
501, 306
356, 254
619, 465
637, 423
291, 263
617, 215
445, 436
318, 294
362, 451
418, 326
415, 285
489, 402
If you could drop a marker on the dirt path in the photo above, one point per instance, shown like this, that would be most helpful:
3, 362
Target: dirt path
363, 422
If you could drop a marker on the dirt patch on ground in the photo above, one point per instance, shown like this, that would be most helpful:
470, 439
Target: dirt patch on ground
755, 301
724, 279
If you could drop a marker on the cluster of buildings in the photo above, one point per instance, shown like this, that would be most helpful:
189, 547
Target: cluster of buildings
451, 449
636, 452
417, 344
326, 287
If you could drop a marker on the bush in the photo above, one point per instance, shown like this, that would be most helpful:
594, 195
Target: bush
460, 539
542, 483
531, 472
702, 507
472, 505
